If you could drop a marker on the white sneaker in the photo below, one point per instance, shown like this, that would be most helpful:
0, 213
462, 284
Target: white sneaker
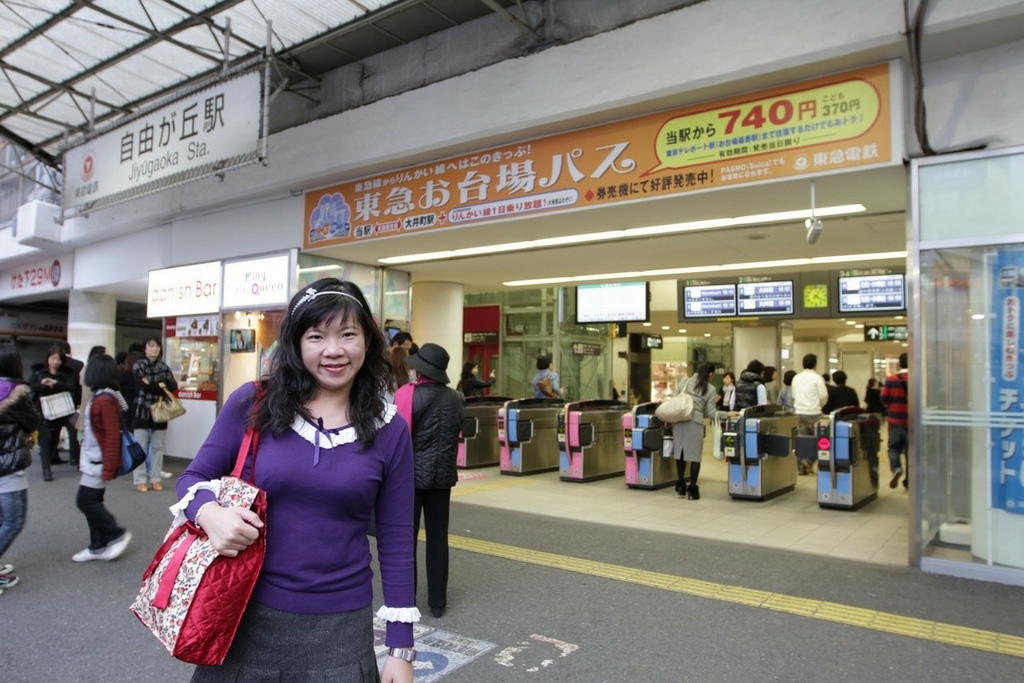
6, 569
115, 549
87, 555
166, 475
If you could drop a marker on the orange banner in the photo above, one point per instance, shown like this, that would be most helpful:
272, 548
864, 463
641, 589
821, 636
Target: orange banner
842, 121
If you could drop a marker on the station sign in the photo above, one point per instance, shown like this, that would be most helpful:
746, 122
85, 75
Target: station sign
885, 333
201, 134
584, 349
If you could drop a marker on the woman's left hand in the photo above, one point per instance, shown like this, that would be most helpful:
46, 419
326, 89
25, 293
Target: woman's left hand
396, 671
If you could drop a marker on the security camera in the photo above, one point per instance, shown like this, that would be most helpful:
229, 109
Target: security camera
813, 226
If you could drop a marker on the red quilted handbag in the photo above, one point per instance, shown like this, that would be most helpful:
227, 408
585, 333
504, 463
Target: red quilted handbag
192, 597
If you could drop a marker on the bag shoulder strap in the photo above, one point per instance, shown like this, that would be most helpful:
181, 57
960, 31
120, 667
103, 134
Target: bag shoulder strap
251, 438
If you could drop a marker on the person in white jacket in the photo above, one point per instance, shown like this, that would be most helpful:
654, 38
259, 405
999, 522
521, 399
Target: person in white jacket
809, 394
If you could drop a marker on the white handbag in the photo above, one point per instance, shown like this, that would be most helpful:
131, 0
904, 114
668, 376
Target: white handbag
56, 406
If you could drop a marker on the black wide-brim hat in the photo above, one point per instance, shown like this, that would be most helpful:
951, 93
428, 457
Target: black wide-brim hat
430, 361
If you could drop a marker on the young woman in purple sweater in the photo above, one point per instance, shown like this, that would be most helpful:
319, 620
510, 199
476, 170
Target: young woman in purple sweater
331, 452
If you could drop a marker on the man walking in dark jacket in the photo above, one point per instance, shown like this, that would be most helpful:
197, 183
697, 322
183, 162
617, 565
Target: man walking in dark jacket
435, 412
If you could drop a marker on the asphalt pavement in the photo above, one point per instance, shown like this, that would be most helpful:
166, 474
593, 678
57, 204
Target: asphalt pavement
536, 598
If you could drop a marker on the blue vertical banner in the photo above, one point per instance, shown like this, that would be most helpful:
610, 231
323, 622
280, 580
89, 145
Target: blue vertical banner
1007, 454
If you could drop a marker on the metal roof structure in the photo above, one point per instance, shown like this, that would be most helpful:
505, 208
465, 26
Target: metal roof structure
67, 66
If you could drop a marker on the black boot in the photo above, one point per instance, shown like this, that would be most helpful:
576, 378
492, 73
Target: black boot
693, 492
47, 474
681, 474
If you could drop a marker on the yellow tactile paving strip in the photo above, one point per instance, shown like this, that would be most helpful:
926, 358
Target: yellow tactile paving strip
949, 634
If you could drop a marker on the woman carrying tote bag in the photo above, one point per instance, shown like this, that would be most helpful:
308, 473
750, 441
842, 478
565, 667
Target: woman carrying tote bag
49, 380
152, 376
688, 437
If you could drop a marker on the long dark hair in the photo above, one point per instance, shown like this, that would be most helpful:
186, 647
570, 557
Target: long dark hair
11, 366
399, 374
704, 372
289, 385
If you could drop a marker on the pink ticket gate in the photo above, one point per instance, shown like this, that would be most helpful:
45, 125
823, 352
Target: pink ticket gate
590, 440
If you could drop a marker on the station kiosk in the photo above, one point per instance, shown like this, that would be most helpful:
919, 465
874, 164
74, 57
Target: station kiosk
643, 439
759, 447
590, 440
478, 441
528, 435
842, 446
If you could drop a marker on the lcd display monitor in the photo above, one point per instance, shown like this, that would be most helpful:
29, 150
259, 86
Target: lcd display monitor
618, 302
765, 298
872, 293
709, 301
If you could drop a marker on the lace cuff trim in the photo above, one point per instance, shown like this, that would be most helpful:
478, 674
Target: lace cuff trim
178, 509
407, 615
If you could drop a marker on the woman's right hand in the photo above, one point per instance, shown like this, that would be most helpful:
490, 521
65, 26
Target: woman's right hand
231, 530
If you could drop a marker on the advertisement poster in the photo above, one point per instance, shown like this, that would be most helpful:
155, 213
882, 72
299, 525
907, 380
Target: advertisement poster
837, 122
1007, 440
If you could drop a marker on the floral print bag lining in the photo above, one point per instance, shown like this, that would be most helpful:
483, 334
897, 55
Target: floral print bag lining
193, 598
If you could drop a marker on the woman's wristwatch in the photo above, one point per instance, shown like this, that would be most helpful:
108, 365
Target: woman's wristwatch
405, 653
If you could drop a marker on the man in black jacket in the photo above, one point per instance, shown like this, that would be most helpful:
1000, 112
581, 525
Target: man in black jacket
437, 413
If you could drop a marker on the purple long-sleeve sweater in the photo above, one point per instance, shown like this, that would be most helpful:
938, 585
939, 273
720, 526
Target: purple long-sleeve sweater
319, 500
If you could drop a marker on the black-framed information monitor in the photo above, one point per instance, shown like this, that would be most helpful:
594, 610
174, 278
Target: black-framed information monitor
614, 302
872, 293
709, 301
765, 298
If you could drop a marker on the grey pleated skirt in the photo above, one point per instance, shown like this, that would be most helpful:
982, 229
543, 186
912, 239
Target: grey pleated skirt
283, 647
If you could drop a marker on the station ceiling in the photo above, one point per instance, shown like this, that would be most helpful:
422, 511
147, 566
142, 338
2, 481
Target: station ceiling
66, 65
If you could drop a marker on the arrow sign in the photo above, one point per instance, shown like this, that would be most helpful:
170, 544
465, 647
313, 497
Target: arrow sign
875, 333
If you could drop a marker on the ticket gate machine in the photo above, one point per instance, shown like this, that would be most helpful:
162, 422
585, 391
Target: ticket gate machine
840, 445
643, 438
758, 445
478, 441
528, 435
590, 440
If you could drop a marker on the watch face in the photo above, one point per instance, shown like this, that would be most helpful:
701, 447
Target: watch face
816, 296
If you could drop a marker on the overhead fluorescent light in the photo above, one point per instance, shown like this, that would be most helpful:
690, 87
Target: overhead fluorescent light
318, 269
668, 272
630, 233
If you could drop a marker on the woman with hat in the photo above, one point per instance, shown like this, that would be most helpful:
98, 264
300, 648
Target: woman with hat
434, 412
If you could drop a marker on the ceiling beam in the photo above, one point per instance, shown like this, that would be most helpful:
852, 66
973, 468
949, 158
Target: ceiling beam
35, 150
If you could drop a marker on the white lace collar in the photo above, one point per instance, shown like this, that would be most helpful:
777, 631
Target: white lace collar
334, 437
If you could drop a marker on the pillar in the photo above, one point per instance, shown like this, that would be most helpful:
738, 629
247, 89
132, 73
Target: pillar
437, 319
92, 321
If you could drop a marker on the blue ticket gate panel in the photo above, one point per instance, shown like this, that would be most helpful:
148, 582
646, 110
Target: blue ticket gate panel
528, 435
758, 445
478, 441
643, 439
844, 478
590, 440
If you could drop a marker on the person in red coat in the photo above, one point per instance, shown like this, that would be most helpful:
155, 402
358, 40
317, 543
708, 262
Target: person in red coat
101, 456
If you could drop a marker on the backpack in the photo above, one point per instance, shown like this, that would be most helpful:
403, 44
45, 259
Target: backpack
546, 386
